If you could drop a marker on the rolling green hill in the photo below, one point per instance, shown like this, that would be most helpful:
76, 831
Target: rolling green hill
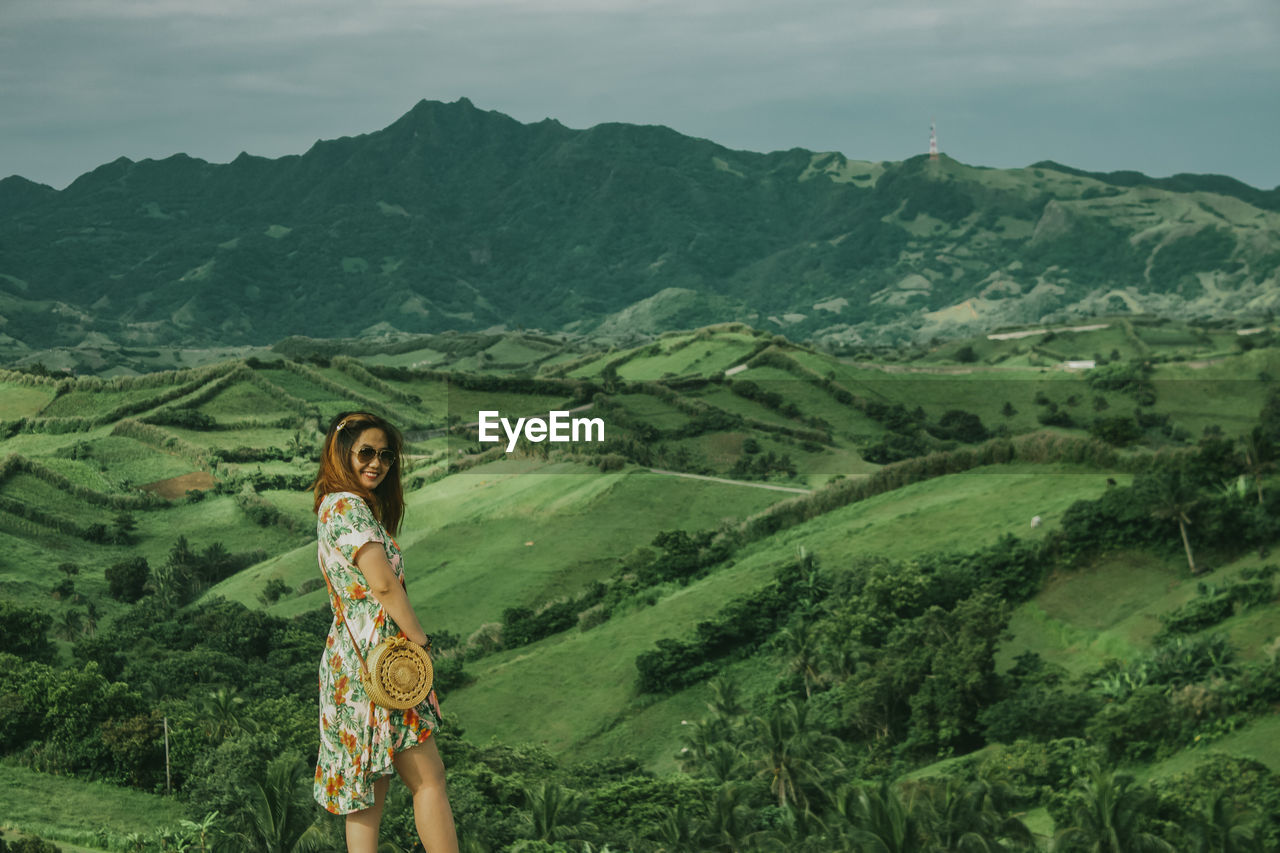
816, 530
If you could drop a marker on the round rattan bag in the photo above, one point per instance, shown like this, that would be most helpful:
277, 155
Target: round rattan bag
398, 674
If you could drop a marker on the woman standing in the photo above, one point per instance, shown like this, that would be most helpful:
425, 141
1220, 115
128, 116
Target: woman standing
359, 502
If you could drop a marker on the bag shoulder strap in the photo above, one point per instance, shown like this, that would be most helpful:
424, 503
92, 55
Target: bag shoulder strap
342, 617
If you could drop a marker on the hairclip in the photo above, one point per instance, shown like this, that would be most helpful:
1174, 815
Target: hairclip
353, 417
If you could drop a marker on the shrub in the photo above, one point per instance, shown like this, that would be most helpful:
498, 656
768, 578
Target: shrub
127, 578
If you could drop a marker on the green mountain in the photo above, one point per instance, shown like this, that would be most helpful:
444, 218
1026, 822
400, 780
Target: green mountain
457, 218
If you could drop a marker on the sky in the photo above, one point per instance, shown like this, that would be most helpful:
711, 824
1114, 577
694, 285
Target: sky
1159, 86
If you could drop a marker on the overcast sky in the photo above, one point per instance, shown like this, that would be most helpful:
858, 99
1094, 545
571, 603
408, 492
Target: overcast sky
1161, 86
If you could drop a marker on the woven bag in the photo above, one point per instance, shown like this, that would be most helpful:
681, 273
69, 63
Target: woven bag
398, 673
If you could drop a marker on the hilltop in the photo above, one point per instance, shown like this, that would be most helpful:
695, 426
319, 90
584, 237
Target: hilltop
951, 552
457, 218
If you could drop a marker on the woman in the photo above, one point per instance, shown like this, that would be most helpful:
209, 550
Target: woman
359, 502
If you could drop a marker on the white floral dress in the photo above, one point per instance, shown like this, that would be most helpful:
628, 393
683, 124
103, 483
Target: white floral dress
358, 739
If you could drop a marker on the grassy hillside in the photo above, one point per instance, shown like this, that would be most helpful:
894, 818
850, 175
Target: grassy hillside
550, 573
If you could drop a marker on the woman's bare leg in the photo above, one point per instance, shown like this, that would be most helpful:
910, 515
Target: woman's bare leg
362, 826
422, 770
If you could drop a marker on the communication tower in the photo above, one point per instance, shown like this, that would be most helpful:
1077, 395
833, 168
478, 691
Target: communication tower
933, 140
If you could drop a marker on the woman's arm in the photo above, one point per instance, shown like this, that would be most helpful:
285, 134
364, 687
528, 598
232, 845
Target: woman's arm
385, 587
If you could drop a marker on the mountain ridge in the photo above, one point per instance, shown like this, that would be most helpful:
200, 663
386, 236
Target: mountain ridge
453, 217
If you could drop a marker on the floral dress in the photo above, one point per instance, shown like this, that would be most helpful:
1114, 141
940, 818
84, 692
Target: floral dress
358, 739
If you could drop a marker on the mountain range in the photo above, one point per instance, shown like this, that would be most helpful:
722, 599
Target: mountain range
456, 218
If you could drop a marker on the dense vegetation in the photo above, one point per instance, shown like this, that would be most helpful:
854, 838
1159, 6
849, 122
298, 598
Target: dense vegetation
171, 620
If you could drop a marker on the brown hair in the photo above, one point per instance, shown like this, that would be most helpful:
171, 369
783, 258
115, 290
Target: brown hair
386, 500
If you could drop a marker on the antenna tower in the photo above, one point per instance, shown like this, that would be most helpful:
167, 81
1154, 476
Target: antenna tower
933, 140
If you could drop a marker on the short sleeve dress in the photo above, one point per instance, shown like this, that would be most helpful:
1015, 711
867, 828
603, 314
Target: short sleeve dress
358, 739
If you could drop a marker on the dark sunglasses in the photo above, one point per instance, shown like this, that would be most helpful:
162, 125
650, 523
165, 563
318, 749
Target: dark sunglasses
366, 454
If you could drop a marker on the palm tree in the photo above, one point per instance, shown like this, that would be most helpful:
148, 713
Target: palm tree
800, 831
70, 625
957, 819
1173, 497
878, 820
279, 815
726, 701
790, 752
224, 714
554, 814
724, 762
676, 832
1107, 815
800, 643
1222, 827
725, 827
91, 619
1259, 458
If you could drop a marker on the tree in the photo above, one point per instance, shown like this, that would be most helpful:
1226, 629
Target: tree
1172, 495
279, 812
1259, 458
879, 820
554, 813
127, 579
790, 752
224, 714
1223, 827
727, 823
24, 632
1109, 814
801, 644
70, 625
962, 818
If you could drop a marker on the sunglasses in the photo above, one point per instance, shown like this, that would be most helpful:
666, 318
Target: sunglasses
366, 454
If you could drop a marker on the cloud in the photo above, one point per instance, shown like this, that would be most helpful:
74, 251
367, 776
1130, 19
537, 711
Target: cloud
302, 69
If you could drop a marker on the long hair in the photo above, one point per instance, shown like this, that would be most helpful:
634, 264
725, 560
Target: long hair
386, 501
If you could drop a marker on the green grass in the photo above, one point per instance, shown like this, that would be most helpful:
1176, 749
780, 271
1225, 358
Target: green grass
960, 512
702, 357
22, 401
231, 439
414, 358
1111, 608
723, 398
464, 538
81, 472
1258, 740
64, 809
299, 385
567, 690
652, 410
244, 400
132, 461
88, 404
582, 682
31, 490
812, 400
519, 350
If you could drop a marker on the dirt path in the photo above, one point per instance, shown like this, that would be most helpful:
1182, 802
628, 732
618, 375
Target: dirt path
729, 482
175, 487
